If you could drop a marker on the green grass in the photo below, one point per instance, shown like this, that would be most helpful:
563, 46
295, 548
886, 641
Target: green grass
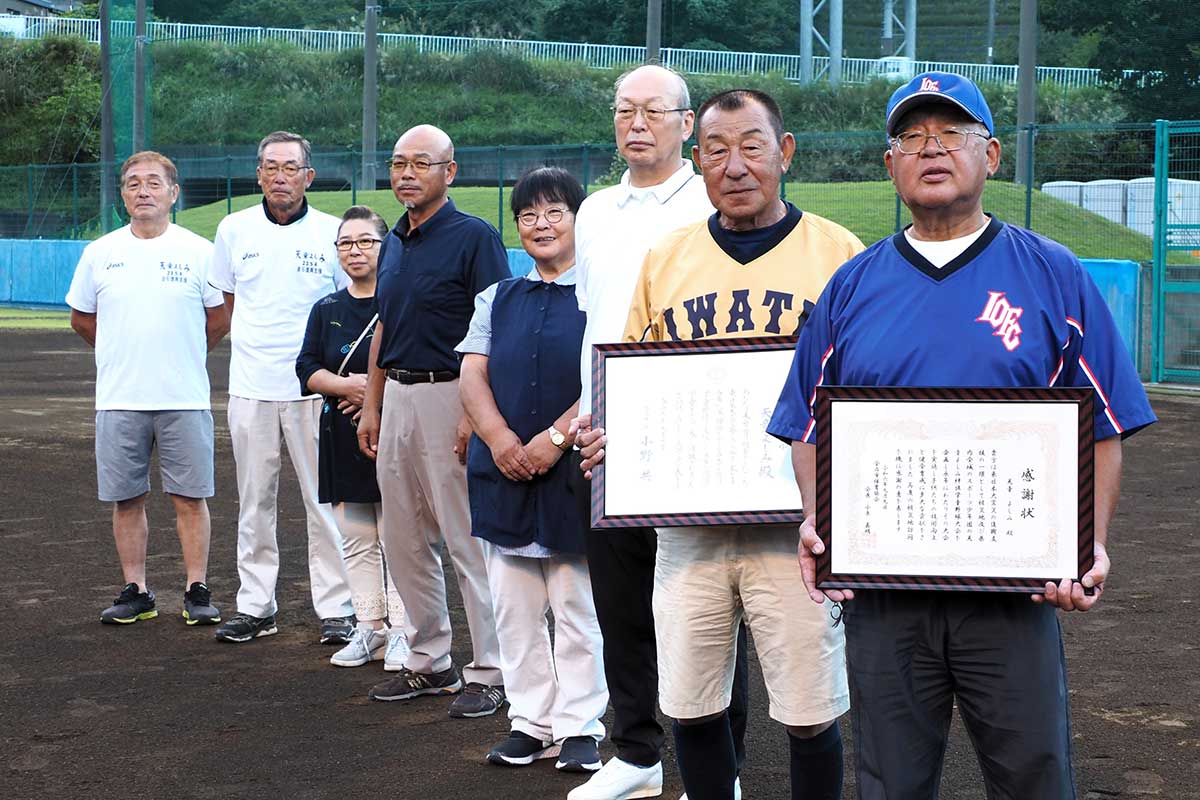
34, 319
867, 208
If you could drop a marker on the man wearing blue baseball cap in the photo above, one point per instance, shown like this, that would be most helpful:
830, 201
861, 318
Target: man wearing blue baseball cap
959, 298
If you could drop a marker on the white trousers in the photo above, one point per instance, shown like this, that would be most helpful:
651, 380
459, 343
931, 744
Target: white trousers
552, 694
425, 505
258, 429
371, 589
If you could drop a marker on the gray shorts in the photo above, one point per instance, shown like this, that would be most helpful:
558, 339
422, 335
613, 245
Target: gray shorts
126, 439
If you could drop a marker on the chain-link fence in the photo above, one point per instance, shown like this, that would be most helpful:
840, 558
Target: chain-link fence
1090, 187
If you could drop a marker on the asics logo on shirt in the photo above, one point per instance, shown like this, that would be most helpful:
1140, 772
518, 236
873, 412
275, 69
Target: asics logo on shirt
114, 265
1002, 316
248, 256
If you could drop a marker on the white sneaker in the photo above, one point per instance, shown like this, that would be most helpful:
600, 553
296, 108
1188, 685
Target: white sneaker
620, 780
397, 651
737, 790
365, 645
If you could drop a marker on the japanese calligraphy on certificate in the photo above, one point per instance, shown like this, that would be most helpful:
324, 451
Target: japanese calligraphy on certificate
687, 440
983, 491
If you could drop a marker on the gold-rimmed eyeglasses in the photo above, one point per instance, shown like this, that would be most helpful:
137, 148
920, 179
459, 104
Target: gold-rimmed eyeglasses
364, 243
625, 112
913, 142
289, 168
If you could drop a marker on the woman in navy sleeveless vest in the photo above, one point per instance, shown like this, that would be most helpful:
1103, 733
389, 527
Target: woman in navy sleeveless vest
520, 387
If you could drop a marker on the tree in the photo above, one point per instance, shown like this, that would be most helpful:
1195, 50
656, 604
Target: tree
1157, 39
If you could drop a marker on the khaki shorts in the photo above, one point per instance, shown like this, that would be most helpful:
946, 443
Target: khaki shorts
705, 581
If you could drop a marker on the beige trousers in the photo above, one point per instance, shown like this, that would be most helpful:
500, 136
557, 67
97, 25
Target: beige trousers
371, 589
259, 429
425, 505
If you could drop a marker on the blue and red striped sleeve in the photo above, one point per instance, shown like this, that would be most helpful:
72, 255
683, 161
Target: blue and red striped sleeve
814, 363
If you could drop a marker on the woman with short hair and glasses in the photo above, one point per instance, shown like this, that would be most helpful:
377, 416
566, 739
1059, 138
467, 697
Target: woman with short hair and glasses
333, 361
520, 387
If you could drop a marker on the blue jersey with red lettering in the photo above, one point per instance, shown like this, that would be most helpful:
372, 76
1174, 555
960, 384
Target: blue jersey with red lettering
1014, 310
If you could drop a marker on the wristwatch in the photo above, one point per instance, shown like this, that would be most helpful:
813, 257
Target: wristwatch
557, 438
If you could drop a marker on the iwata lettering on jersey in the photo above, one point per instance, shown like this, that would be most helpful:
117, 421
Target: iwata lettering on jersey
1002, 316
735, 312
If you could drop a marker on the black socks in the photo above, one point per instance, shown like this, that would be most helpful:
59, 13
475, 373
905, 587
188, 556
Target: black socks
706, 759
816, 766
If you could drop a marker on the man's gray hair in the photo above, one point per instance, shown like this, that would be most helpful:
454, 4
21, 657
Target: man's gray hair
685, 99
283, 137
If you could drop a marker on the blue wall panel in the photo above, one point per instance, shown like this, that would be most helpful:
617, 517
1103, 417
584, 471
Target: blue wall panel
5, 271
1119, 284
519, 262
39, 270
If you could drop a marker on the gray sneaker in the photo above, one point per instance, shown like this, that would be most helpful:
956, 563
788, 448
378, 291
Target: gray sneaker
197, 606
130, 606
477, 700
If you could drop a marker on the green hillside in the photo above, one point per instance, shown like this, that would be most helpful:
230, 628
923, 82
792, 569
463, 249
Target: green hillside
867, 208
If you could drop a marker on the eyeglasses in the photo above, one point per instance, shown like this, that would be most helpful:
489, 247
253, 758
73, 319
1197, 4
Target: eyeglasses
913, 142
529, 218
366, 244
153, 185
626, 113
419, 166
290, 169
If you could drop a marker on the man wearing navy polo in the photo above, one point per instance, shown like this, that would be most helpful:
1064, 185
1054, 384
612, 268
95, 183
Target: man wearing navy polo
431, 266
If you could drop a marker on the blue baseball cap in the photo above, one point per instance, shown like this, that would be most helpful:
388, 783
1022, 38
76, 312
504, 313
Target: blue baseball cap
939, 87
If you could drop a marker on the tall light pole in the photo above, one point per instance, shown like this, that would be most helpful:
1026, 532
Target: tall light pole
108, 193
1027, 89
139, 78
370, 122
991, 32
653, 31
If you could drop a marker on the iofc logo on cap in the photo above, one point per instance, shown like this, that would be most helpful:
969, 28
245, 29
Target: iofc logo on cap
929, 85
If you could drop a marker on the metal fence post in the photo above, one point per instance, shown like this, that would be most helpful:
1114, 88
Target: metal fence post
29, 222
587, 168
228, 184
1162, 153
1029, 131
898, 205
353, 180
75, 197
500, 190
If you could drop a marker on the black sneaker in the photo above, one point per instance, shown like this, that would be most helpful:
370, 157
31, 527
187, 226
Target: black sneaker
579, 754
520, 749
408, 684
197, 606
477, 700
338, 630
244, 627
130, 606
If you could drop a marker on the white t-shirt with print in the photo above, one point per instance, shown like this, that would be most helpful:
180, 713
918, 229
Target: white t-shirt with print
149, 297
275, 273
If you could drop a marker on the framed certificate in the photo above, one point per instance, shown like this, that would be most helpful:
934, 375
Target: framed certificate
687, 440
981, 489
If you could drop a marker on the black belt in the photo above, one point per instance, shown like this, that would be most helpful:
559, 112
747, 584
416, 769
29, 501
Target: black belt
410, 376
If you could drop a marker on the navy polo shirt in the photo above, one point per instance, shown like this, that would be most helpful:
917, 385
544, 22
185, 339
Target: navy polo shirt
426, 287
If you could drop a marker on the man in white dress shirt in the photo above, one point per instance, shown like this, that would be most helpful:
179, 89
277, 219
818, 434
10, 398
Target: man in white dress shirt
614, 229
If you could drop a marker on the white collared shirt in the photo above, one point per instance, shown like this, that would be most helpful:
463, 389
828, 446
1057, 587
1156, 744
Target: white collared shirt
614, 229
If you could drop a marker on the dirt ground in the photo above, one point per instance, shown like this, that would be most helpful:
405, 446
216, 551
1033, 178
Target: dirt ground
159, 710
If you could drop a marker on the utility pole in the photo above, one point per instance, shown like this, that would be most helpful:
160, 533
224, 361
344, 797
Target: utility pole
653, 31
910, 30
991, 32
886, 48
139, 78
370, 99
835, 42
107, 156
1027, 89
806, 37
